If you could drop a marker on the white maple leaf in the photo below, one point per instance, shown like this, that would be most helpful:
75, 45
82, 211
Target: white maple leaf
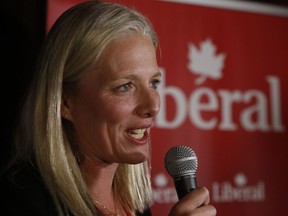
161, 180
240, 179
205, 62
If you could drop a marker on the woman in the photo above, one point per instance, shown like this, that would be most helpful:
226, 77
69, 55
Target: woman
84, 139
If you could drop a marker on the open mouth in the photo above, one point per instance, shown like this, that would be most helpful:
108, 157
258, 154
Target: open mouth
137, 133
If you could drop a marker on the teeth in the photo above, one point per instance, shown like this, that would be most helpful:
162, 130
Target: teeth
137, 133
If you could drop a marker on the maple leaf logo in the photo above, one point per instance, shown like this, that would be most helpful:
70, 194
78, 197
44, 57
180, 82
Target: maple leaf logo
240, 179
205, 62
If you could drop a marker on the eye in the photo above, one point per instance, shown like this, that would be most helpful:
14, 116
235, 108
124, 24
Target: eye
155, 83
125, 87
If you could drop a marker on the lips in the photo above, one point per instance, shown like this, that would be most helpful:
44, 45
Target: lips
138, 135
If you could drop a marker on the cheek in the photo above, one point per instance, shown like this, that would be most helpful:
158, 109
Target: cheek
107, 109
92, 111
117, 111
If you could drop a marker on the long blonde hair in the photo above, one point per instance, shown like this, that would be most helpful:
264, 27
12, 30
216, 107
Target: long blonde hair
73, 45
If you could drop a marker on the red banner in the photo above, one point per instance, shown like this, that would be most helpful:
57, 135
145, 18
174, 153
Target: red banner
224, 93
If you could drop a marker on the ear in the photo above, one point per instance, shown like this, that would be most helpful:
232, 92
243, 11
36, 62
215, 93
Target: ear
66, 107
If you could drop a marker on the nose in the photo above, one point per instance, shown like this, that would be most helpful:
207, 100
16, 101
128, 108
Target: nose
149, 103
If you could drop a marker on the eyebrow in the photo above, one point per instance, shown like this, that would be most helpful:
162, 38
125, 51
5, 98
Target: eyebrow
133, 76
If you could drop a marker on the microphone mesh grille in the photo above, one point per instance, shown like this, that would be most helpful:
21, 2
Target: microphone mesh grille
181, 160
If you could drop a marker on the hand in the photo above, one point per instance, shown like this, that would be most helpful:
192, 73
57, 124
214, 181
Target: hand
194, 203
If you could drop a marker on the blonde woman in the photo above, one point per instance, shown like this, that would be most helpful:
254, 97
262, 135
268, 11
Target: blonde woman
83, 145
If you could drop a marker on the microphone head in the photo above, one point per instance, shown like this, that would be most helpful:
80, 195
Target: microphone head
181, 161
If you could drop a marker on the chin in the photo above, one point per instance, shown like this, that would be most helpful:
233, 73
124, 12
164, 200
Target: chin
137, 158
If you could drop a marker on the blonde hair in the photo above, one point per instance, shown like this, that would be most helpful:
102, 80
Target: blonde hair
73, 45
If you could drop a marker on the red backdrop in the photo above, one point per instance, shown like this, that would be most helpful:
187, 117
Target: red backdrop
224, 93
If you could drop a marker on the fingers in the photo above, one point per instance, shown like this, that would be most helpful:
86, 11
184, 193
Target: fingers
195, 203
207, 210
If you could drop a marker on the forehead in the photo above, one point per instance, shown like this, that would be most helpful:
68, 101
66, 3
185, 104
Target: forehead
129, 53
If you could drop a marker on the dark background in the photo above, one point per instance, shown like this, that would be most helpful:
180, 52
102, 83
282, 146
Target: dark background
23, 24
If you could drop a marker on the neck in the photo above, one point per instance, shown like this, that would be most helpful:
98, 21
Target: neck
106, 211
99, 179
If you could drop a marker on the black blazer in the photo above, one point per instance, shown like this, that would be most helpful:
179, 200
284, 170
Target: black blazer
22, 193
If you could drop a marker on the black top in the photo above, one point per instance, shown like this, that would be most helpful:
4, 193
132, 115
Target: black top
22, 192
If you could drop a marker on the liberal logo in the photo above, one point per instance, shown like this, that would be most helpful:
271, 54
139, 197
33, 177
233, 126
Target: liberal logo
240, 191
162, 192
205, 62
257, 109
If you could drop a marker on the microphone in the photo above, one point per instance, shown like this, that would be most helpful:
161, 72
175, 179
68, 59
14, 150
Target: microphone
181, 163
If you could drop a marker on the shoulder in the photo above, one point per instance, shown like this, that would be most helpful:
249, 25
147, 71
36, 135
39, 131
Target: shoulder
22, 191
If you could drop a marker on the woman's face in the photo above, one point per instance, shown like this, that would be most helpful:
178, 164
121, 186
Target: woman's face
114, 110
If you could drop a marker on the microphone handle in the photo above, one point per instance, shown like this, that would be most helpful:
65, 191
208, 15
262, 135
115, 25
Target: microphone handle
184, 184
